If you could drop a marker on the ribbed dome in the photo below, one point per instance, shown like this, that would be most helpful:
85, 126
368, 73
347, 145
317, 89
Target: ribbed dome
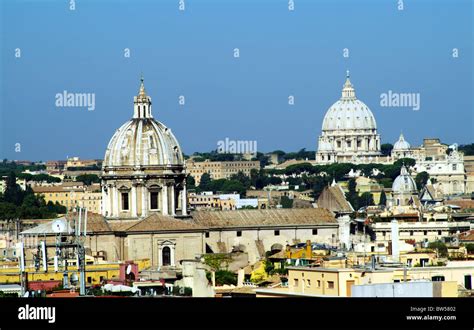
349, 113
401, 144
404, 183
143, 141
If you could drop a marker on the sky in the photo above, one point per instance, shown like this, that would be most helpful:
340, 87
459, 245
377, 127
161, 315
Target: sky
47, 48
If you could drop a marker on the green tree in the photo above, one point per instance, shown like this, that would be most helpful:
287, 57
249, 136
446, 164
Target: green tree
88, 179
407, 161
286, 202
386, 149
421, 179
440, 247
205, 181
242, 178
467, 149
319, 183
190, 182
383, 198
366, 199
470, 248
8, 211
352, 196
13, 193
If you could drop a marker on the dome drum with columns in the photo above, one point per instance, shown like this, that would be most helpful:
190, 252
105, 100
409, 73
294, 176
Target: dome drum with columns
143, 170
349, 131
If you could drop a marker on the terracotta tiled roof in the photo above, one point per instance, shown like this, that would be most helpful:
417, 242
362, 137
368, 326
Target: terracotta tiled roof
159, 222
38, 189
467, 236
95, 222
244, 218
333, 197
463, 203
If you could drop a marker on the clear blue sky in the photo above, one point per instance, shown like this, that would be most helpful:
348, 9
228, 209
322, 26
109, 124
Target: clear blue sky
190, 53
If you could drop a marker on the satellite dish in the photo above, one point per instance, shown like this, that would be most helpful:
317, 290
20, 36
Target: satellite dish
129, 269
58, 226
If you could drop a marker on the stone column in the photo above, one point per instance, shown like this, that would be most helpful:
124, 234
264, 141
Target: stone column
173, 200
115, 210
160, 256
165, 200
144, 204
134, 200
110, 200
184, 200
172, 254
104, 201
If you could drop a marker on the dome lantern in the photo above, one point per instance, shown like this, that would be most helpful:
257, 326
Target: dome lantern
348, 91
142, 103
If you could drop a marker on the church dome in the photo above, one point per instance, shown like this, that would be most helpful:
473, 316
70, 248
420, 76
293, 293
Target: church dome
404, 183
401, 144
143, 141
349, 113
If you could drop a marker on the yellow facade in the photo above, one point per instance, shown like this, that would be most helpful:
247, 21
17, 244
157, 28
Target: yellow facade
90, 197
339, 282
220, 170
94, 274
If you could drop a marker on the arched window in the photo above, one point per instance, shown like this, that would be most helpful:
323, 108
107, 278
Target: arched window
166, 256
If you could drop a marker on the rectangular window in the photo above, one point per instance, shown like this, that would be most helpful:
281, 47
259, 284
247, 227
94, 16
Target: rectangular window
207, 234
411, 232
295, 282
239, 233
439, 232
425, 232
89, 279
154, 200
315, 231
319, 283
308, 283
330, 285
125, 201
277, 233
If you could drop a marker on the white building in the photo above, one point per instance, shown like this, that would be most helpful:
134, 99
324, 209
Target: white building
349, 131
448, 171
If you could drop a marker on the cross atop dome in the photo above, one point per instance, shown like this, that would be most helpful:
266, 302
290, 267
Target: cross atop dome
142, 92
